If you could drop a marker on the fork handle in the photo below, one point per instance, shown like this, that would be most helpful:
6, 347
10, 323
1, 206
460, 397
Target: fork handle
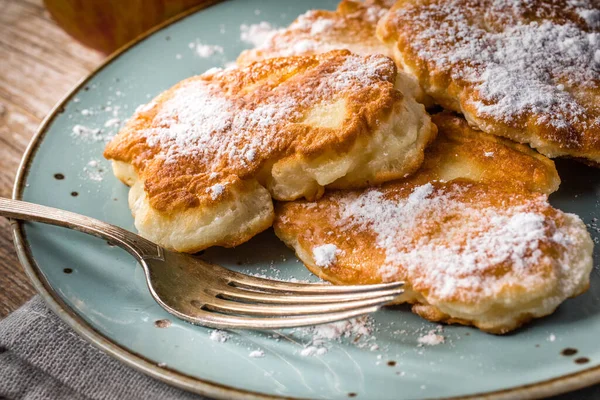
136, 245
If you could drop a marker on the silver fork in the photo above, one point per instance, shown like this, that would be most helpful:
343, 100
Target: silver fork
210, 295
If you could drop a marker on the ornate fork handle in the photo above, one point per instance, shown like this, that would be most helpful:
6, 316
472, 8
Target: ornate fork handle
134, 244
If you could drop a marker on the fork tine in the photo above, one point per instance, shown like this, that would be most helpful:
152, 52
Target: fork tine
224, 321
271, 285
270, 310
235, 293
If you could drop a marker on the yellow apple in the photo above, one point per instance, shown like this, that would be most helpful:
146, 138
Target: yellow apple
106, 25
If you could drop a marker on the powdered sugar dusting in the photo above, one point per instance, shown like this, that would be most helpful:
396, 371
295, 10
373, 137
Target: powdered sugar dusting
200, 120
325, 255
215, 190
256, 354
521, 66
360, 326
359, 330
205, 50
86, 133
257, 34
319, 31
313, 351
432, 338
94, 170
219, 336
320, 26
481, 239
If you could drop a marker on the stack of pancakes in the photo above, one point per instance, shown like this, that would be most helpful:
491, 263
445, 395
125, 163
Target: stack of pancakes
370, 188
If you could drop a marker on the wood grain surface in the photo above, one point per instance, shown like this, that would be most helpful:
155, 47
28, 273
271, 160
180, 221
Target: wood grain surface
39, 63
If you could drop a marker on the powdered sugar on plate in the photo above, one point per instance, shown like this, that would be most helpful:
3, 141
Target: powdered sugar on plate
95, 170
86, 133
205, 50
310, 351
219, 336
321, 337
432, 338
257, 34
256, 354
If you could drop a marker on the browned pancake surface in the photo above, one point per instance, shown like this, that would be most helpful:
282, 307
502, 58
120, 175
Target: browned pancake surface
205, 157
526, 70
471, 233
351, 26
223, 127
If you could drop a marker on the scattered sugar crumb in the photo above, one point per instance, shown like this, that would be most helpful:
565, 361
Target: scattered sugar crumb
357, 330
347, 328
488, 153
310, 351
551, 337
219, 336
257, 34
142, 108
257, 354
205, 50
94, 171
215, 190
325, 255
250, 154
431, 338
86, 133
112, 122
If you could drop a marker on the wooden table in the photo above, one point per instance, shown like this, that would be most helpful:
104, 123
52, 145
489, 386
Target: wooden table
39, 63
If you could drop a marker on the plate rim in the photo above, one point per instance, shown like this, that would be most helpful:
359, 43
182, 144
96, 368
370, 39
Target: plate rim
562, 384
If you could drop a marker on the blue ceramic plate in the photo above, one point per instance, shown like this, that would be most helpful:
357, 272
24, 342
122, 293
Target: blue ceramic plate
104, 297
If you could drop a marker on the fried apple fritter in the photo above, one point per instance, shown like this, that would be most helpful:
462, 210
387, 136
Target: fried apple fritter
471, 233
525, 70
352, 27
205, 157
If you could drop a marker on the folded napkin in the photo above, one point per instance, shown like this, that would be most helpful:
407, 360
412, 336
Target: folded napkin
42, 358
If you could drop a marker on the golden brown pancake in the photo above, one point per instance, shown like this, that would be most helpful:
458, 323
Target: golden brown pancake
525, 70
462, 152
205, 157
474, 239
352, 26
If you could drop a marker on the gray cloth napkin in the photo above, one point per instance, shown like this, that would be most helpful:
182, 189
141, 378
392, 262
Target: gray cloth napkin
41, 358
